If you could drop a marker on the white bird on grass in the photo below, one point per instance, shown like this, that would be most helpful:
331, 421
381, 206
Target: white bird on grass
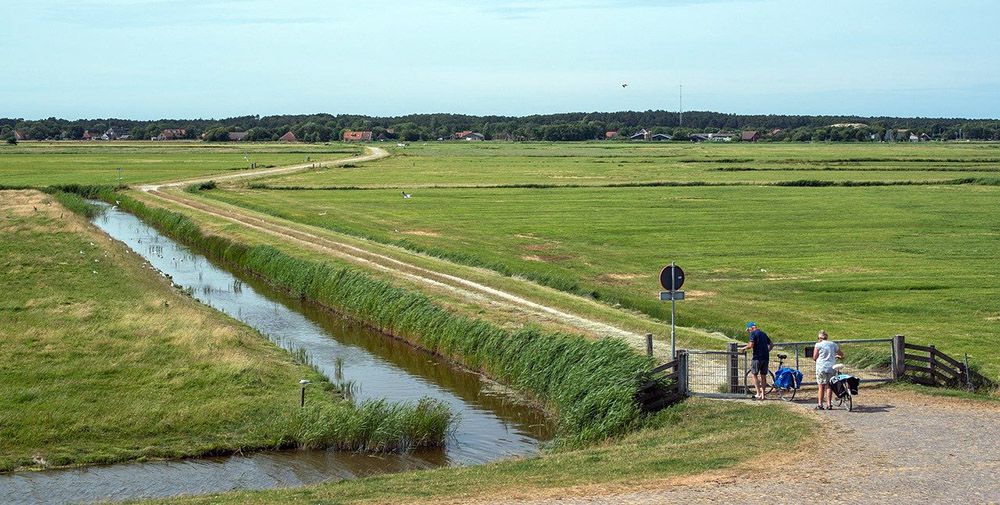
406, 195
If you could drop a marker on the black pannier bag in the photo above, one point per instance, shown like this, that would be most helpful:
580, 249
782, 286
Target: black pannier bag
838, 383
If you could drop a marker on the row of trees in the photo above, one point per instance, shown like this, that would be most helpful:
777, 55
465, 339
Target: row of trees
556, 127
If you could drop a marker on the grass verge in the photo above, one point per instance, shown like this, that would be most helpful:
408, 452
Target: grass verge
688, 439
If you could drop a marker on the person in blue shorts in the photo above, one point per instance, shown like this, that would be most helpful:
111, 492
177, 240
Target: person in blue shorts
761, 346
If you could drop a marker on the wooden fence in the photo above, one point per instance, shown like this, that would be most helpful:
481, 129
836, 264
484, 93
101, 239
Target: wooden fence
928, 366
667, 387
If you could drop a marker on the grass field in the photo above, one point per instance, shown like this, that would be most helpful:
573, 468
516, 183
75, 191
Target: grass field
48, 163
104, 361
685, 440
604, 163
861, 262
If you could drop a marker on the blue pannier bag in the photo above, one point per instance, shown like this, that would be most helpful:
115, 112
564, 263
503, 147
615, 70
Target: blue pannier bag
787, 378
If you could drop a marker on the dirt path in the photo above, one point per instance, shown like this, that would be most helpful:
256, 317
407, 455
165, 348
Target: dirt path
458, 286
375, 153
897, 447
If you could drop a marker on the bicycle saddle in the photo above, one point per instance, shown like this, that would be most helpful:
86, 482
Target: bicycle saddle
782, 356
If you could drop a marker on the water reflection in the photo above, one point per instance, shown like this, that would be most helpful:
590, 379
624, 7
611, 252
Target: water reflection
492, 423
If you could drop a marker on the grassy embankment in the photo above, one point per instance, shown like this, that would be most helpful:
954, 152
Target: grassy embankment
40, 164
588, 384
860, 262
104, 361
695, 437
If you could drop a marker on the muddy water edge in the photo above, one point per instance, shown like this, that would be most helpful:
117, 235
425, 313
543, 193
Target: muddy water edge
492, 422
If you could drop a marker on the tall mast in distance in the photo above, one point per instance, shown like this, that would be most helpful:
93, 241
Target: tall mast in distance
680, 105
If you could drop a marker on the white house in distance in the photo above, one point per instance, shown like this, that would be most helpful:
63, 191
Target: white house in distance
712, 137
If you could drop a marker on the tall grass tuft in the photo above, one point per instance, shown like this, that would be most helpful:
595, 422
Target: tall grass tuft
76, 203
374, 426
590, 385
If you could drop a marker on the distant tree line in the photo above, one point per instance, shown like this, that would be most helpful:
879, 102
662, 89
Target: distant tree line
554, 127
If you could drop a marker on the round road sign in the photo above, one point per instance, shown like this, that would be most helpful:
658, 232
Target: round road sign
671, 273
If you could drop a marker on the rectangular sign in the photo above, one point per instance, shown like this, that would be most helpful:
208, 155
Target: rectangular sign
665, 295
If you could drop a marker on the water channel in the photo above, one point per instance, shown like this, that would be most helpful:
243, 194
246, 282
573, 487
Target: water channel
492, 422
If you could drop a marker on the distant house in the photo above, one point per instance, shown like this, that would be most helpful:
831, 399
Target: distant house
642, 134
468, 135
115, 133
290, 137
171, 134
925, 137
712, 137
237, 136
776, 131
610, 134
19, 135
89, 136
660, 137
848, 125
355, 136
750, 136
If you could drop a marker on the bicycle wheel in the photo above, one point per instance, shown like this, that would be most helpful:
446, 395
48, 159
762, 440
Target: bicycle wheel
769, 388
786, 394
849, 400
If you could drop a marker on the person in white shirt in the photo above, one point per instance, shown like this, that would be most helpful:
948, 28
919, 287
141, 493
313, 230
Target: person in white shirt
825, 355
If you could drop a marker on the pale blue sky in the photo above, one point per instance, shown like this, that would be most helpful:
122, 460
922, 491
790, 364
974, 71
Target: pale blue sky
147, 59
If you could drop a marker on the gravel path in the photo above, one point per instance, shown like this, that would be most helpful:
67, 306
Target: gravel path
897, 447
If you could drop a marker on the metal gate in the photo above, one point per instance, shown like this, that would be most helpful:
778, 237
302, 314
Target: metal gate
724, 373
716, 374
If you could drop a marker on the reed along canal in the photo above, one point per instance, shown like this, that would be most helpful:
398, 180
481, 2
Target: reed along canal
492, 423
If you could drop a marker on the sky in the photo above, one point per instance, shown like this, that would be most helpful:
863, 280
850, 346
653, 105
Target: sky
149, 59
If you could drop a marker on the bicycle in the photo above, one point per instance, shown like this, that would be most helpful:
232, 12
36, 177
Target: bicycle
785, 393
844, 387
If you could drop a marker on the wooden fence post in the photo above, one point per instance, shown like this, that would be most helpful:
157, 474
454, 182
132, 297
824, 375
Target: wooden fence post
898, 357
649, 345
733, 370
681, 365
930, 364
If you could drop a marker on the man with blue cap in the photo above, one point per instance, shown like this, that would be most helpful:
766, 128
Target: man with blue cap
761, 346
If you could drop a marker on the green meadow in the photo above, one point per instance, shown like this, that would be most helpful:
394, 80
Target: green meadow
860, 262
39, 164
607, 163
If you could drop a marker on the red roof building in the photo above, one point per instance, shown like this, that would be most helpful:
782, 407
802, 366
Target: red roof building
608, 135
171, 134
288, 137
357, 136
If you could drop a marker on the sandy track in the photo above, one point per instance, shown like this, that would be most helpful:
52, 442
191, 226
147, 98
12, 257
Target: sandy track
464, 288
897, 447
375, 153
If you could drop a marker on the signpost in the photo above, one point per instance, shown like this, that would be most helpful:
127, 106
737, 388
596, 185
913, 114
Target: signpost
672, 278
